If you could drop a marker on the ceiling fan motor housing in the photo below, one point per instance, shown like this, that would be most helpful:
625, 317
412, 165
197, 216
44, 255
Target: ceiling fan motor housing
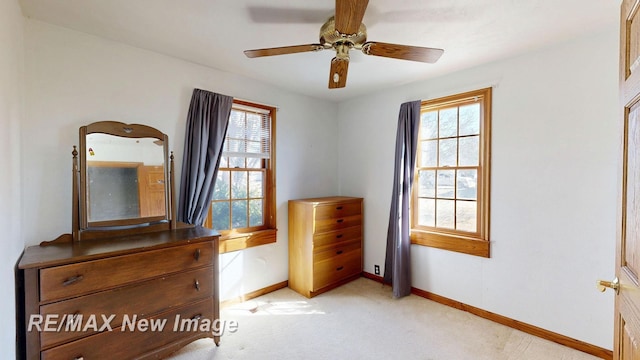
342, 43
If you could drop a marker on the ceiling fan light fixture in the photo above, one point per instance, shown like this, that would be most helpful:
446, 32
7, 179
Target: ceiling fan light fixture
342, 50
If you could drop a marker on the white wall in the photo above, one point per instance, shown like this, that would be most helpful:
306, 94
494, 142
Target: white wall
11, 115
74, 79
556, 136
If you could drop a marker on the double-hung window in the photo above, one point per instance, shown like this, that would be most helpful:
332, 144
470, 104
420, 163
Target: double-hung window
243, 206
450, 201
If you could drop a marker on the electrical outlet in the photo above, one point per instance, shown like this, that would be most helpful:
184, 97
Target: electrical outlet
376, 269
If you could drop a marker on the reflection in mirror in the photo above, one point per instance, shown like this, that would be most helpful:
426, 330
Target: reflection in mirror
125, 178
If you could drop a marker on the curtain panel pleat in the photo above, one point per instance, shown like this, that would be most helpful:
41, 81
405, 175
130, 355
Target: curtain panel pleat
207, 123
397, 269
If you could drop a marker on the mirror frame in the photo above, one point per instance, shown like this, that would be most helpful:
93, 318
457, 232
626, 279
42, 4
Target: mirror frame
82, 227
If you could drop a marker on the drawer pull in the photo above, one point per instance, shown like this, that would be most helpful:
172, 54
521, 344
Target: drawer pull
72, 280
339, 220
339, 252
196, 254
196, 317
197, 285
79, 358
339, 268
338, 207
338, 236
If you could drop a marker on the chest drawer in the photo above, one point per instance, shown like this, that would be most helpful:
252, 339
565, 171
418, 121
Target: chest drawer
149, 297
337, 249
338, 210
325, 225
86, 277
322, 240
336, 268
108, 344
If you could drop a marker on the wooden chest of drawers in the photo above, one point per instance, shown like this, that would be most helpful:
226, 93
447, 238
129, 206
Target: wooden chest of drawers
98, 299
325, 243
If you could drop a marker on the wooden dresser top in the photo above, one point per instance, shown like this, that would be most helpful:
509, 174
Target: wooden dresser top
71, 252
328, 199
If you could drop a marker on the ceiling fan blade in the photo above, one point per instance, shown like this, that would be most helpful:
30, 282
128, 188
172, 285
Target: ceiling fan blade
349, 14
404, 52
281, 15
338, 74
283, 50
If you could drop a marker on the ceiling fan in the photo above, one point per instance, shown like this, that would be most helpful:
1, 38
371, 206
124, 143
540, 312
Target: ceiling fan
345, 31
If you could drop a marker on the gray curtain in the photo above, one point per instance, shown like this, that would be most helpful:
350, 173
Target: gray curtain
397, 267
206, 128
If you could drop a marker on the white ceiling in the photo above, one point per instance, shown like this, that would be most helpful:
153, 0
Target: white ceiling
215, 32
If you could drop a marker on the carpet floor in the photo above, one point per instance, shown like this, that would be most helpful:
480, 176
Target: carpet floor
361, 320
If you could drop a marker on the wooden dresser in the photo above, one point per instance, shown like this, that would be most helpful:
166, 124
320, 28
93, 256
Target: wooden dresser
325, 243
133, 280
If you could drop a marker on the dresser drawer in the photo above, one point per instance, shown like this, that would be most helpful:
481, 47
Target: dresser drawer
142, 299
336, 268
321, 226
338, 210
337, 249
85, 277
322, 240
121, 343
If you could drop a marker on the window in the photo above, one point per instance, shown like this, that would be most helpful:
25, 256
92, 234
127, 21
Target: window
243, 204
450, 201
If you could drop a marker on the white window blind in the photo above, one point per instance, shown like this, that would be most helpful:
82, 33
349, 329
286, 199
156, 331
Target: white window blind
249, 133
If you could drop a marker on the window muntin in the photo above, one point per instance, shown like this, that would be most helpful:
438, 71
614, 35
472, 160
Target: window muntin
451, 185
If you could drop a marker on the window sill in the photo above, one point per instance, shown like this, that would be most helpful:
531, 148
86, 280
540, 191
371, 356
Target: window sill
461, 244
235, 242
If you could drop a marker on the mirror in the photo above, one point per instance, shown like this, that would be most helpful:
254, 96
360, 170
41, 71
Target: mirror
124, 177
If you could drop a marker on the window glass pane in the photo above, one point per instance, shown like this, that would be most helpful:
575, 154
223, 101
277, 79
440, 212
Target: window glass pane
446, 179
239, 214
254, 163
427, 182
236, 145
467, 186
253, 147
448, 152
238, 184
466, 215
429, 125
255, 213
427, 212
254, 126
448, 122
444, 214
224, 161
236, 162
221, 188
470, 119
469, 151
256, 184
235, 128
429, 155
220, 215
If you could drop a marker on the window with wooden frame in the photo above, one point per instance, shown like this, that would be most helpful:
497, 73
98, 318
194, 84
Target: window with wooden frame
450, 195
243, 206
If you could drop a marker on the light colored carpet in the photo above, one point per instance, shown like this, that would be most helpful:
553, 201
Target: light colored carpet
361, 320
